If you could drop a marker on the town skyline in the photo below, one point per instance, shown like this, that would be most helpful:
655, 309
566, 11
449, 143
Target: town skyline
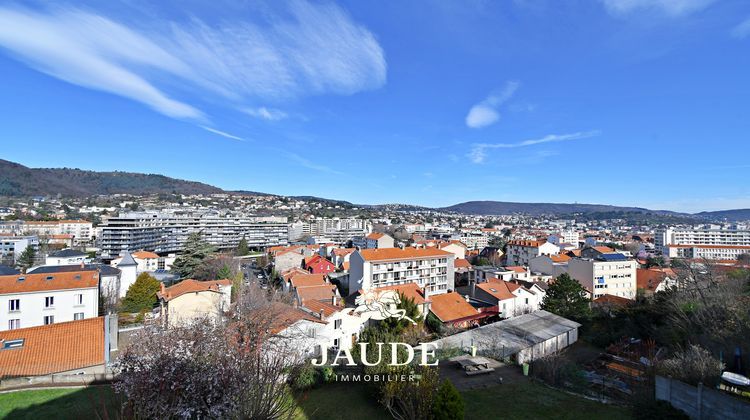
640, 102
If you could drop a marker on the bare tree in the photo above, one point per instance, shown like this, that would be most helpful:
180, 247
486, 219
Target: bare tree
208, 369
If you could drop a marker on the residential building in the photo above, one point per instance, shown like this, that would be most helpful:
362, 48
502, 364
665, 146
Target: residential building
67, 257
30, 300
653, 280
711, 243
109, 278
521, 252
62, 348
373, 240
149, 261
11, 247
454, 310
430, 268
564, 237
611, 274
507, 298
319, 265
163, 232
551, 265
81, 231
191, 300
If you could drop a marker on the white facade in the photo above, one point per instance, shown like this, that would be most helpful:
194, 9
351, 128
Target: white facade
12, 247
82, 230
25, 307
522, 252
734, 236
617, 278
431, 269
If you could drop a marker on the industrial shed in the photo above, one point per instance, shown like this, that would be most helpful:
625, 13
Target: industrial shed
523, 338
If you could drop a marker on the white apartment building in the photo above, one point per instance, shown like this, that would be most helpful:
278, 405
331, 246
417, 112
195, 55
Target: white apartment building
472, 240
30, 300
11, 247
521, 252
81, 230
431, 269
66, 257
704, 242
164, 232
611, 274
373, 240
564, 237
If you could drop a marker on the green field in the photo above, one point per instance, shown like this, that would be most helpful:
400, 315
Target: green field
57, 403
337, 401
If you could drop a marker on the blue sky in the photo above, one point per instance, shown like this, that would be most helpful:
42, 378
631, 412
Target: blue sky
630, 102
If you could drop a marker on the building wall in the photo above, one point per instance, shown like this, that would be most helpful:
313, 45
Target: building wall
197, 305
33, 311
616, 278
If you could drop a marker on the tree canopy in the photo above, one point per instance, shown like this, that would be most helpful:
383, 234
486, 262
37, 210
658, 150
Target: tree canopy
141, 295
567, 298
195, 251
242, 247
26, 259
448, 404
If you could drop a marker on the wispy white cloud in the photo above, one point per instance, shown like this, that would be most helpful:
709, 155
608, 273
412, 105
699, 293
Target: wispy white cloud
264, 113
312, 165
742, 30
222, 133
478, 151
312, 48
486, 113
671, 8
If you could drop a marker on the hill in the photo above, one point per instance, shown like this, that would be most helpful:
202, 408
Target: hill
20, 181
731, 215
504, 207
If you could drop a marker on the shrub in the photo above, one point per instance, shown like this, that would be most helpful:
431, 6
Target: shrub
693, 366
327, 374
305, 376
141, 294
448, 404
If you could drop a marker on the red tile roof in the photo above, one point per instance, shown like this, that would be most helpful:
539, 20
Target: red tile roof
461, 263
650, 278
191, 286
497, 288
144, 255
386, 254
24, 283
318, 306
409, 290
451, 307
614, 300
283, 316
302, 280
324, 292
53, 348
375, 235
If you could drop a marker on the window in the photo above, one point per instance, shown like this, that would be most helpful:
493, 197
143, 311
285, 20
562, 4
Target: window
14, 305
14, 324
49, 301
49, 319
337, 324
79, 299
12, 344
77, 316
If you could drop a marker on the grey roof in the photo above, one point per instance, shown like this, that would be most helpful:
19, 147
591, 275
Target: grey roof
104, 270
7, 271
512, 335
127, 259
67, 253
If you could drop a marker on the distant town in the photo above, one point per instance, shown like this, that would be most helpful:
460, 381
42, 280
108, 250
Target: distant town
493, 293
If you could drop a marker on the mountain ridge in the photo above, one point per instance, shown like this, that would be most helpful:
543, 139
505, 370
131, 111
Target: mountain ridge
17, 180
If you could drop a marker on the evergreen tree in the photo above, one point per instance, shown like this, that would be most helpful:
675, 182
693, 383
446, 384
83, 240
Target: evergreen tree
195, 251
141, 295
26, 259
242, 248
448, 404
224, 273
397, 326
567, 298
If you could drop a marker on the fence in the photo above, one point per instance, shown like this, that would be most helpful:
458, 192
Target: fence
701, 402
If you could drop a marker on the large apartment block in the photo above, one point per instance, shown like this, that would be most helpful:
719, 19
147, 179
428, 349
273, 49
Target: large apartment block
709, 243
430, 268
610, 274
167, 232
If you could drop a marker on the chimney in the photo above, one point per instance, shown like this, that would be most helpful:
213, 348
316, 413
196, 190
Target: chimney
320, 314
333, 300
83, 265
473, 288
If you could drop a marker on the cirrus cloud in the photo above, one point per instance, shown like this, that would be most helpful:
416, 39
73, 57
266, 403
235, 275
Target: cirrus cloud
478, 151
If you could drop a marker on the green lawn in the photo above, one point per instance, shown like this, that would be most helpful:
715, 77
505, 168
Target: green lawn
59, 403
535, 401
340, 400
